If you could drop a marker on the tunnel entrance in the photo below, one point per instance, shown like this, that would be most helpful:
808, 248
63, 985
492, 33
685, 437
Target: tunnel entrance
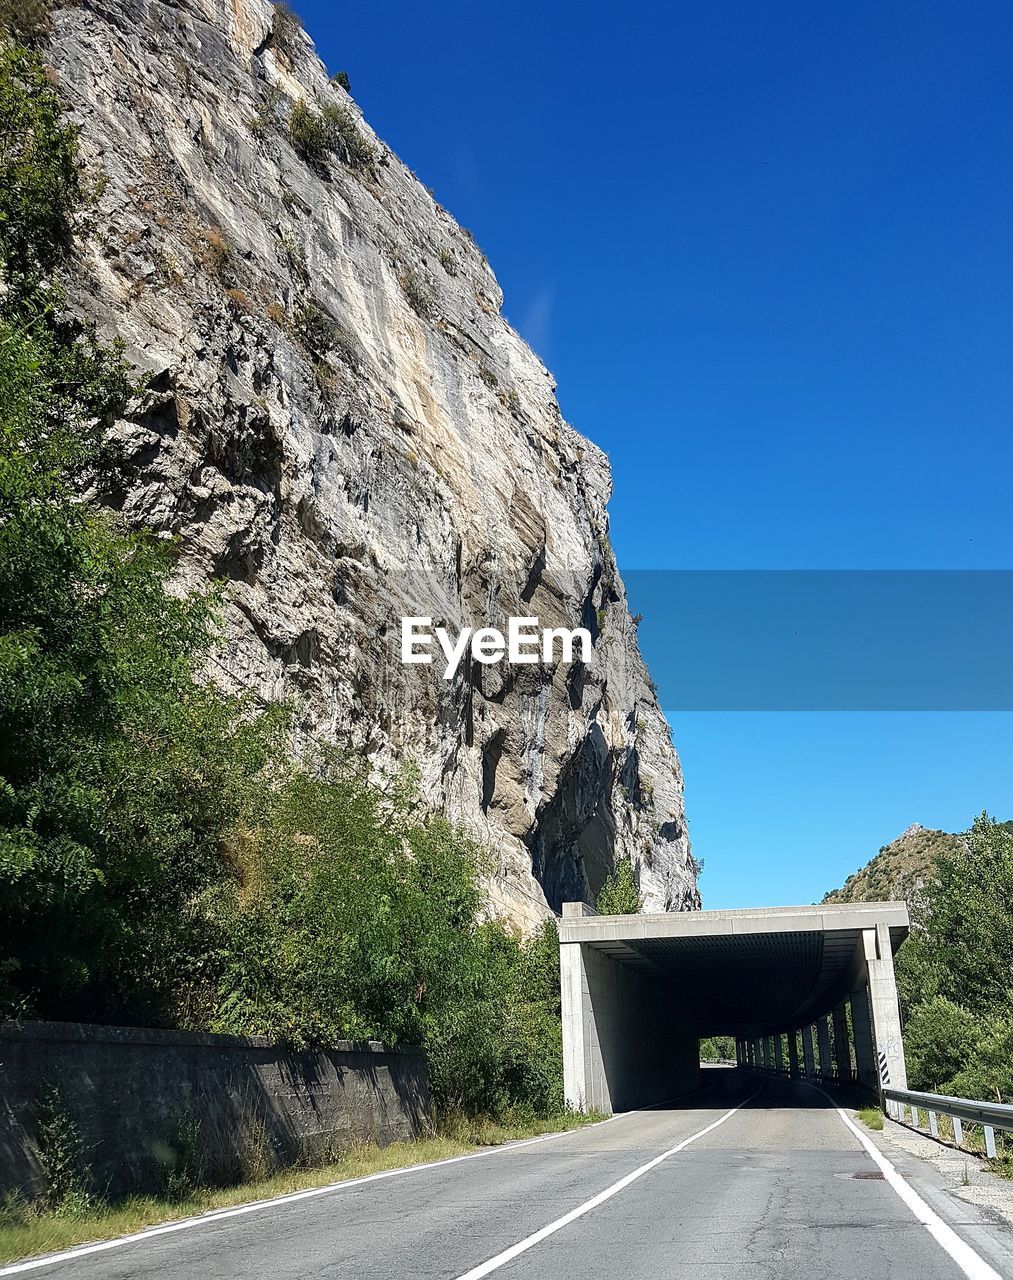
806, 991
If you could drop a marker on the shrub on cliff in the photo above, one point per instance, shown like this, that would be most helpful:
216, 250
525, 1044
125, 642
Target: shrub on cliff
318, 135
286, 29
620, 894
38, 172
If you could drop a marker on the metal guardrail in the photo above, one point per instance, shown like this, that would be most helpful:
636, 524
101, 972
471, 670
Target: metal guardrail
990, 1115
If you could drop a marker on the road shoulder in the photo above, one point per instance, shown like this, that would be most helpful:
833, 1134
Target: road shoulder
976, 1203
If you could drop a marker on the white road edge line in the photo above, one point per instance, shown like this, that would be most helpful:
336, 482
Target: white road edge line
522, 1246
972, 1264
257, 1206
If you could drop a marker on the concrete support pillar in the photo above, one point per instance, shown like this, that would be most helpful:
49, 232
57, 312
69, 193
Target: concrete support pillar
779, 1054
842, 1045
585, 1086
793, 1054
807, 1052
861, 1029
627, 1040
889, 1041
823, 1043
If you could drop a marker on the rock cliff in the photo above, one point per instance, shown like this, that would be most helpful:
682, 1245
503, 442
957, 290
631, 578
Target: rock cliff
338, 420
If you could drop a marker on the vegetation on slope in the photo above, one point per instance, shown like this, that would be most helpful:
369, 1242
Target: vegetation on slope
955, 972
899, 870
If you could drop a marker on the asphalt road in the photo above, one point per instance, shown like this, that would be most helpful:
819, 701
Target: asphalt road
778, 1188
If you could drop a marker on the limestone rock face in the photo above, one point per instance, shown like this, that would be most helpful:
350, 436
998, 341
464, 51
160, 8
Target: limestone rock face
339, 421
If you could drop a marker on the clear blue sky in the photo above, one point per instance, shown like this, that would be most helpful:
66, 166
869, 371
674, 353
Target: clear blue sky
767, 252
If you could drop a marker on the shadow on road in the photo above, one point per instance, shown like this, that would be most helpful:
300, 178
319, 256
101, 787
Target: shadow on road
730, 1086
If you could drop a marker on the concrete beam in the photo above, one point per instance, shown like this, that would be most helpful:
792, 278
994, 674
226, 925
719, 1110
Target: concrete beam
580, 924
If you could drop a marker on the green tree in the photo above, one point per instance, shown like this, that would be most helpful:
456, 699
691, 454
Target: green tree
620, 894
988, 1072
940, 1039
38, 172
347, 914
968, 923
955, 973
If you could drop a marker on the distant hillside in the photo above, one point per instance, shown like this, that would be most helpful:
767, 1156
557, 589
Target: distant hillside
900, 868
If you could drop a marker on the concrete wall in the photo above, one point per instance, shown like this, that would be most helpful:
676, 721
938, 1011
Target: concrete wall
633, 1043
140, 1097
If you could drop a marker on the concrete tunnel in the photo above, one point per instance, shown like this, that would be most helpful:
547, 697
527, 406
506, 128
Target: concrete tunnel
806, 991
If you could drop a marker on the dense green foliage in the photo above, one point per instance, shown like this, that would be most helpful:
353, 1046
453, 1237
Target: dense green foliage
349, 915
717, 1049
38, 173
161, 859
955, 973
620, 894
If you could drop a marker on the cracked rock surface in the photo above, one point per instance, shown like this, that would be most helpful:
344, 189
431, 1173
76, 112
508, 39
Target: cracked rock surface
339, 422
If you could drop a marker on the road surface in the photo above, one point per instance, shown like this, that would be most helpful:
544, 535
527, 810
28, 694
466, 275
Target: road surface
724, 1185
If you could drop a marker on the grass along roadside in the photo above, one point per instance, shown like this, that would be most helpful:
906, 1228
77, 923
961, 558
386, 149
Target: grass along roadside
871, 1117
27, 1230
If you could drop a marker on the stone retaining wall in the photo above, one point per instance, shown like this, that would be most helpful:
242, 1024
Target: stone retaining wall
148, 1103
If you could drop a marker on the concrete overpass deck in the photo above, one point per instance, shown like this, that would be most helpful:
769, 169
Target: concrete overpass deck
806, 989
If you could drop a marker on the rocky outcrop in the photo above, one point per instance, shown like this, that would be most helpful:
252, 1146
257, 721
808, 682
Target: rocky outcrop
900, 870
339, 422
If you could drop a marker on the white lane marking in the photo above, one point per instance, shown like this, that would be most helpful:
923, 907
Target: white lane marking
522, 1246
256, 1206
972, 1264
